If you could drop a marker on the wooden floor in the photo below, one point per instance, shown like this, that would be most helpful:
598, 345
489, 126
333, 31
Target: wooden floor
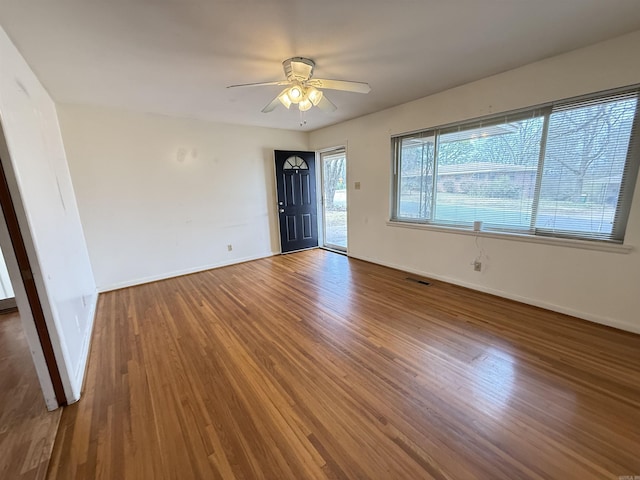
27, 429
312, 365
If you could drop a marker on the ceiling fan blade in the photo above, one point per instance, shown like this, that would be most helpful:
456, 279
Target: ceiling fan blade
274, 103
271, 107
345, 85
326, 105
260, 84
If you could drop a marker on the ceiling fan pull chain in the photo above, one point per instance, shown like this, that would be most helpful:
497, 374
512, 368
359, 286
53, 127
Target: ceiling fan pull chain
303, 120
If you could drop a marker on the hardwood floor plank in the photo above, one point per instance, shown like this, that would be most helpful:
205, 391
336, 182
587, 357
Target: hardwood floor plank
27, 429
313, 365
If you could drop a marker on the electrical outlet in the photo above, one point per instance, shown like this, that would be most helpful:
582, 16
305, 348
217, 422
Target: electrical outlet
229, 247
477, 266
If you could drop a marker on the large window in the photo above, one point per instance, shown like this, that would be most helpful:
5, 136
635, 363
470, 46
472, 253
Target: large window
563, 170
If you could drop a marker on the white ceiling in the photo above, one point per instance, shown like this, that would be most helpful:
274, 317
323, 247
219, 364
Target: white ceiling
177, 56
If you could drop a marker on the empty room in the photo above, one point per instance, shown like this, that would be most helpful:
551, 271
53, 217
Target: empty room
320, 240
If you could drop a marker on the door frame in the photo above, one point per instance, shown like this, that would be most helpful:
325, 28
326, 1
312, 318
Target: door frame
25, 289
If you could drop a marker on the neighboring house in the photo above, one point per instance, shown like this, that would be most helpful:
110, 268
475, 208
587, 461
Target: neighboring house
459, 178
509, 181
513, 179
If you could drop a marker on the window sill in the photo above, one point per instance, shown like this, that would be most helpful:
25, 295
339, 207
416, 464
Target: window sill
563, 242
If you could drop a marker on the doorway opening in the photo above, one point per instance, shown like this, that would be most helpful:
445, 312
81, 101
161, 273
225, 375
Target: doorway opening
334, 199
13, 240
30, 382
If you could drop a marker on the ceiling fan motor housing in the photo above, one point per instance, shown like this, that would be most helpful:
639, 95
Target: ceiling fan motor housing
298, 69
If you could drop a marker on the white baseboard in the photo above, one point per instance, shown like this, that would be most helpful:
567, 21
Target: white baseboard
610, 322
8, 304
178, 273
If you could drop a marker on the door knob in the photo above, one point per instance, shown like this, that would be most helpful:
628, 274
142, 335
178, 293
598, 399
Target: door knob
281, 210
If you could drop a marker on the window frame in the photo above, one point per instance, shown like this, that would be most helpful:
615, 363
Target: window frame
627, 186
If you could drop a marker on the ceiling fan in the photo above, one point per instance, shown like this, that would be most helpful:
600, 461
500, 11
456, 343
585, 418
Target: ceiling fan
303, 90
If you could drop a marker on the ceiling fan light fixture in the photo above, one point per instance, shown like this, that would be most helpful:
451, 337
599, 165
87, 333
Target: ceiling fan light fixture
302, 89
314, 95
284, 99
305, 105
295, 94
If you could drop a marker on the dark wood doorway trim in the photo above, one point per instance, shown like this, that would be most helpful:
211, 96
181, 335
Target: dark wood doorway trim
26, 273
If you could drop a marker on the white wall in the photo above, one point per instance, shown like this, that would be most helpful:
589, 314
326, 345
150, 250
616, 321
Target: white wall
160, 196
6, 290
36, 167
594, 285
